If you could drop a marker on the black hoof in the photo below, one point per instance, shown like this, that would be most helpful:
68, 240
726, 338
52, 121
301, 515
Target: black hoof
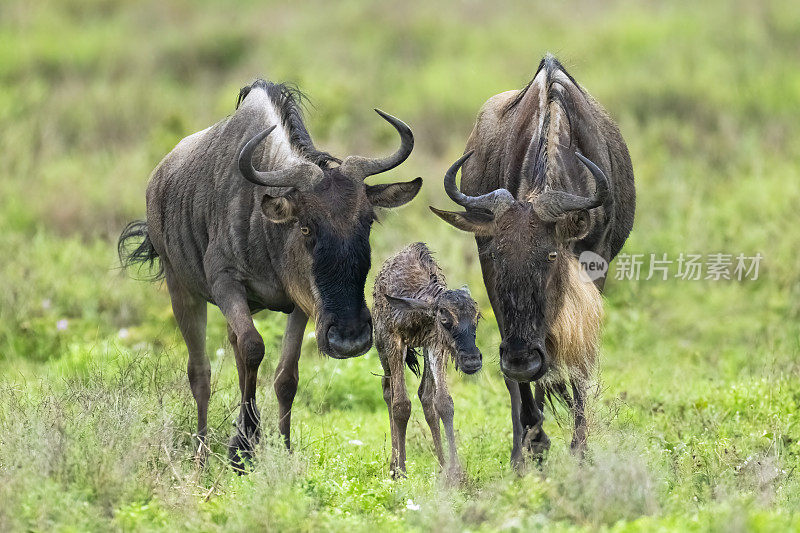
396, 472
535, 445
240, 450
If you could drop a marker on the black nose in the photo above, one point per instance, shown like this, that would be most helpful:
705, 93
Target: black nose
471, 362
521, 361
349, 339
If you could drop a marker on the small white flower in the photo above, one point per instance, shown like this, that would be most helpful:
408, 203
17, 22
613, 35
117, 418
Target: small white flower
62, 324
46, 304
355, 442
123, 333
220, 352
411, 506
311, 335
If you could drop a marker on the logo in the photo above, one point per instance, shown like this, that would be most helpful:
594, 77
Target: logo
592, 266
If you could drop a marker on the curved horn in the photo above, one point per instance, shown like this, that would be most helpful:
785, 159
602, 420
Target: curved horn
493, 201
365, 166
300, 176
600, 181
552, 204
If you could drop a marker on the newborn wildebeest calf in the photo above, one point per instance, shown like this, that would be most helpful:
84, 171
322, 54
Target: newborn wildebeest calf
414, 309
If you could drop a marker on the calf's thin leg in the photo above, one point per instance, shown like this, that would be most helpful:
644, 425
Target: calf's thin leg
427, 389
190, 313
444, 408
231, 298
396, 397
286, 374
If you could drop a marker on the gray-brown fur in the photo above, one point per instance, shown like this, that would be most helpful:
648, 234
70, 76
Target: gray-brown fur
549, 177
223, 235
414, 309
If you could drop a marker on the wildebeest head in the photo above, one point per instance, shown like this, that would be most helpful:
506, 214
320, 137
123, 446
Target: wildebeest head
528, 243
455, 320
330, 213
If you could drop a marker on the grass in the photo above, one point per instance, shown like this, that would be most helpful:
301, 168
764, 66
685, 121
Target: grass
694, 426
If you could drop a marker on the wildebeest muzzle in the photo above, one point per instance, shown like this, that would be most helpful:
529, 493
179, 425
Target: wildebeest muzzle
521, 361
350, 337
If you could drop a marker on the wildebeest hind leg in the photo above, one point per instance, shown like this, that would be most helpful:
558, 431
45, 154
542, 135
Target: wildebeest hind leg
578, 444
231, 298
190, 313
286, 374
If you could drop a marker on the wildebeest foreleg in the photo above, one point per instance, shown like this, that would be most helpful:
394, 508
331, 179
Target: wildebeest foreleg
517, 460
427, 388
231, 298
444, 408
534, 438
240, 369
286, 374
190, 313
578, 444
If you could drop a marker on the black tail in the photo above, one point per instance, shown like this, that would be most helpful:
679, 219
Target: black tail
412, 360
143, 253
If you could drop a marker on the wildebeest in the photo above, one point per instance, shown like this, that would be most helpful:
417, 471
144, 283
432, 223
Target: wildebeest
413, 308
546, 176
290, 237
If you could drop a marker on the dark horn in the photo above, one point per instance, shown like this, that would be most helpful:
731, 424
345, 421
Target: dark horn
600, 180
298, 176
366, 166
490, 201
552, 204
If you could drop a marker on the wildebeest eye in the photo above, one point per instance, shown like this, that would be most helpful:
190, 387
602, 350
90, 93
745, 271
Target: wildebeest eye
304, 230
552, 256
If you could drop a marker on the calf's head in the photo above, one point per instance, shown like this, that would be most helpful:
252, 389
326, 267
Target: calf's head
328, 215
455, 319
527, 247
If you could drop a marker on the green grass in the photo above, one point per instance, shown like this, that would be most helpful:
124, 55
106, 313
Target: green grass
694, 425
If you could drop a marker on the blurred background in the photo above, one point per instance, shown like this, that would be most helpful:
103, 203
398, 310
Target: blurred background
694, 417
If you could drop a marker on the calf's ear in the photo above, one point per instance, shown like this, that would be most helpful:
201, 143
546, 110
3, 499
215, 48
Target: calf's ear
393, 194
573, 226
277, 209
480, 223
400, 303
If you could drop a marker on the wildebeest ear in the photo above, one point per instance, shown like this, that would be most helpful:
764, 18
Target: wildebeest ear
480, 223
393, 194
573, 226
400, 303
277, 209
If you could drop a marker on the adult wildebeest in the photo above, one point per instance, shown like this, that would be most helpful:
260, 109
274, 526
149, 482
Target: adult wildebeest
291, 237
413, 308
546, 176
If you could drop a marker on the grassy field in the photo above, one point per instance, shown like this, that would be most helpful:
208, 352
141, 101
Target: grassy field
694, 426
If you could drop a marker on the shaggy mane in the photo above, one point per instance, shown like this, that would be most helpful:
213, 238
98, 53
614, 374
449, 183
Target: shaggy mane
289, 101
573, 338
